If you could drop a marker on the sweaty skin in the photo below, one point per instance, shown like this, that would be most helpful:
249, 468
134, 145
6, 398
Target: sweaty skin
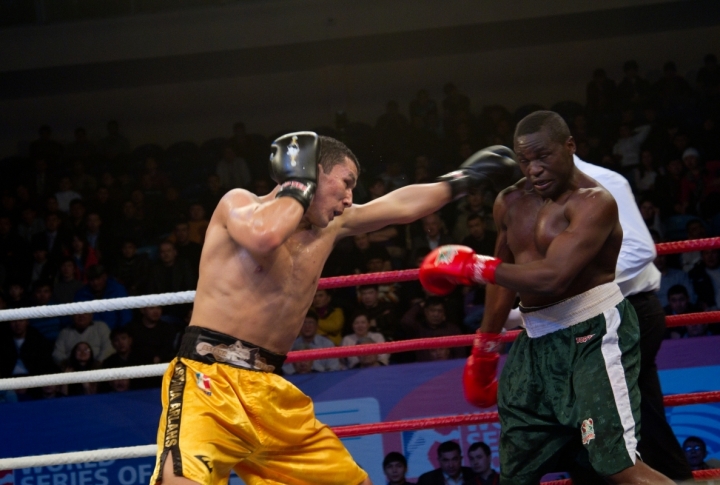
558, 236
262, 256
558, 231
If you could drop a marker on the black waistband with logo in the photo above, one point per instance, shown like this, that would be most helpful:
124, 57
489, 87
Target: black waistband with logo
210, 347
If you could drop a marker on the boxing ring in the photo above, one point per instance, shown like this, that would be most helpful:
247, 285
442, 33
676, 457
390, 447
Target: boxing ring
347, 431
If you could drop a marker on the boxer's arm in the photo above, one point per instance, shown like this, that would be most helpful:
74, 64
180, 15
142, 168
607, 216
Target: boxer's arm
259, 225
401, 206
498, 299
592, 219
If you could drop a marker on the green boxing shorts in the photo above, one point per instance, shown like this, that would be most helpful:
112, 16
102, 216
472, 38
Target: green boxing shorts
569, 387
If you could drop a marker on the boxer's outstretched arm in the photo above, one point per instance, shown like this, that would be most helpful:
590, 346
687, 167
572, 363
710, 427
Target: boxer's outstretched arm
593, 217
401, 206
259, 225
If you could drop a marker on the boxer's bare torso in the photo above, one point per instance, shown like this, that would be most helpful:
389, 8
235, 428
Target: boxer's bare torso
262, 297
532, 224
558, 225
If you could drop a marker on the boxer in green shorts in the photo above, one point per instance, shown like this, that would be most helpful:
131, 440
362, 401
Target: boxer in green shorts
570, 381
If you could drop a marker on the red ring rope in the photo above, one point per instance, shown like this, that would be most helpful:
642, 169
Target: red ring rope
688, 246
412, 274
456, 341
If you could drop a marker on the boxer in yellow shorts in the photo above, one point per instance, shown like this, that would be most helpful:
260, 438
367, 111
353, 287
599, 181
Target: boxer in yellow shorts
223, 408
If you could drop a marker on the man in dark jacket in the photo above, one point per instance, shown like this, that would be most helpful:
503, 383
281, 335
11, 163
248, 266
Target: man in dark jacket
451, 470
24, 350
705, 277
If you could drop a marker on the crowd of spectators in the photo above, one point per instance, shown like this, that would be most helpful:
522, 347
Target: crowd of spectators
97, 219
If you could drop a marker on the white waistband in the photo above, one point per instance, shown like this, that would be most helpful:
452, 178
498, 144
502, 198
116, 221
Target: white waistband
572, 311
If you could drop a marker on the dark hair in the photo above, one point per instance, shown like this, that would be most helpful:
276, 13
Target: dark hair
693, 221
670, 67
41, 283
480, 444
448, 446
394, 457
368, 287
474, 216
697, 440
678, 290
710, 58
360, 313
119, 331
434, 301
550, 120
74, 364
312, 314
334, 152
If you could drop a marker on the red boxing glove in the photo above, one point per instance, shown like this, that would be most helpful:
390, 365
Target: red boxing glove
448, 266
480, 374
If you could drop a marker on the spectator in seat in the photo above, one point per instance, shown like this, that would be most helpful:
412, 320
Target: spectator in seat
671, 277
81, 358
100, 286
331, 319
131, 268
82, 182
94, 333
382, 315
309, 339
66, 284
472, 205
705, 277
39, 268
83, 255
451, 469
695, 230
395, 468
361, 331
633, 91
77, 213
65, 194
678, 304
188, 250
427, 319
303, 367
130, 225
478, 239
30, 224
24, 350
124, 355
212, 193
42, 295
233, 171
377, 260
153, 340
480, 459
197, 223
696, 452
98, 239
433, 234
55, 238
365, 361
169, 275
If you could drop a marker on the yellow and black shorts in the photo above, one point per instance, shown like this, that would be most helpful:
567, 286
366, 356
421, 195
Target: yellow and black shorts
224, 409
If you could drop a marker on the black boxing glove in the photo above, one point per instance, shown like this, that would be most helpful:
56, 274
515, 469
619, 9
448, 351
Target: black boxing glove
495, 164
293, 164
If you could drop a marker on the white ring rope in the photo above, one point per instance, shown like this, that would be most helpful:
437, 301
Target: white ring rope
97, 306
80, 377
78, 457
